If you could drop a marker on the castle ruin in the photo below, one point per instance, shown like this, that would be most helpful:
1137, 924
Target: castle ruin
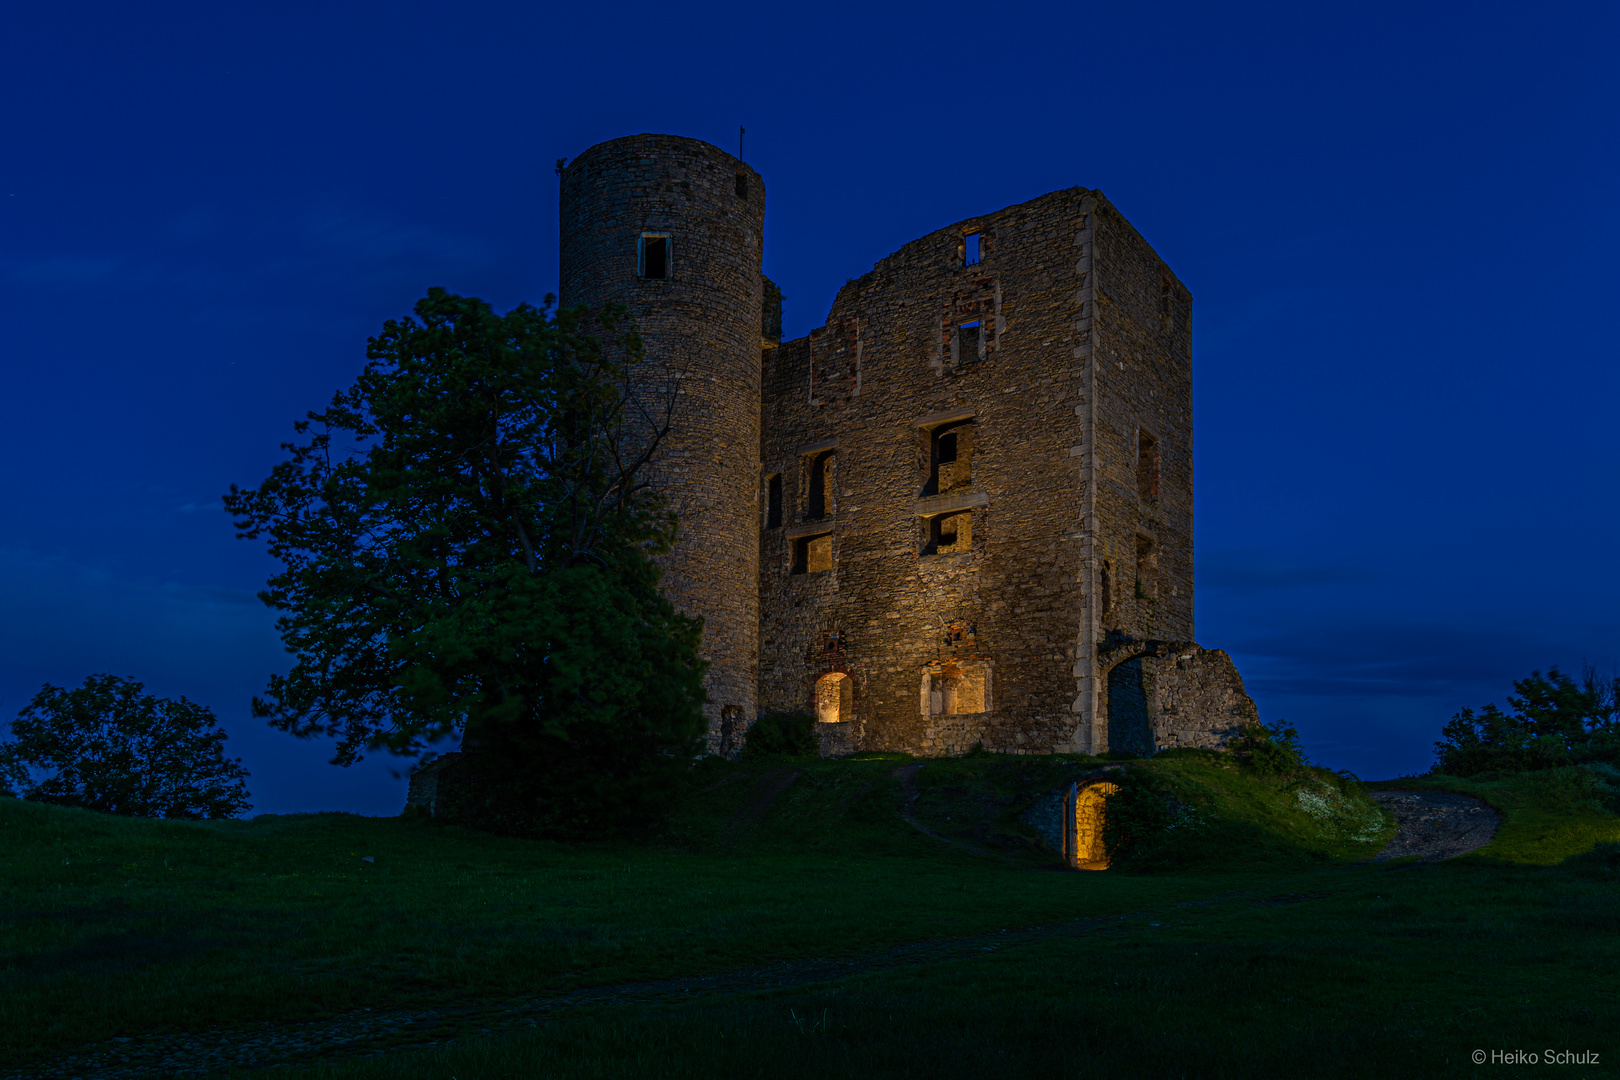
958, 513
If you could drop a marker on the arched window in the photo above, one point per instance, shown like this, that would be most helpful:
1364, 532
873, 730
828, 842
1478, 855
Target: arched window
822, 468
835, 697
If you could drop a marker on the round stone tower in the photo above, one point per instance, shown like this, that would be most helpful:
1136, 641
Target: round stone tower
673, 229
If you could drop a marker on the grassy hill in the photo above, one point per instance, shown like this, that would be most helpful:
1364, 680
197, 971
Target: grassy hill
1547, 816
950, 944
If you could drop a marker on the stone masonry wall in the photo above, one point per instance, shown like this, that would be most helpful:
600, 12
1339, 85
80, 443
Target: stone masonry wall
1198, 699
1140, 533
701, 325
986, 593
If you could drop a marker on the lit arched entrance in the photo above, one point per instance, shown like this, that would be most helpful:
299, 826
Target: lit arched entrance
835, 698
1083, 809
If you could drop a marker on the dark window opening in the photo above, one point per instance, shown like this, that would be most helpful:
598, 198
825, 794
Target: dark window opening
820, 466
950, 458
949, 534
773, 502
967, 342
742, 184
970, 249
655, 256
812, 554
1147, 467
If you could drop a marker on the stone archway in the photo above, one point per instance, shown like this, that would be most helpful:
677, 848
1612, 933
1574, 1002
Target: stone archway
835, 698
1130, 725
1084, 811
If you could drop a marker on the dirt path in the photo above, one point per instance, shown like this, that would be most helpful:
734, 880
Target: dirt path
366, 1032
907, 775
1435, 825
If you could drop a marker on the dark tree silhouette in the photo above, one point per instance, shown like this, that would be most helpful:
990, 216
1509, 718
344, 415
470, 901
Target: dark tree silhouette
109, 747
468, 535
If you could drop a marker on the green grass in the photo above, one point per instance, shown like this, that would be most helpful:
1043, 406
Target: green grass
118, 927
1547, 816
1385, 972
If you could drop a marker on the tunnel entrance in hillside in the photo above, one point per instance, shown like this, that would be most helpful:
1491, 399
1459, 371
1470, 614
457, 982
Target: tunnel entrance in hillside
1083, 817
1128, 726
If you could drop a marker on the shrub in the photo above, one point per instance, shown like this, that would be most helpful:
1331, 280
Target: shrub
1269, 749
1577, 789
1137, 815
784, 733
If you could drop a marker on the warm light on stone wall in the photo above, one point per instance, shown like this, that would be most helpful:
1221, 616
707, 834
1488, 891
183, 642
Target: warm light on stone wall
1084, 810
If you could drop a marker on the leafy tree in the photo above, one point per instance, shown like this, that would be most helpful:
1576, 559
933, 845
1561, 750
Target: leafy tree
112, 748
1554, 721
468, 536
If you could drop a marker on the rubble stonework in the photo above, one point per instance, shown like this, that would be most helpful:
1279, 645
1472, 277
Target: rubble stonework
956, 499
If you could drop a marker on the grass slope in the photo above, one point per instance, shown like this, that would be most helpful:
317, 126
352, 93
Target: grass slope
1547, 816
118, 927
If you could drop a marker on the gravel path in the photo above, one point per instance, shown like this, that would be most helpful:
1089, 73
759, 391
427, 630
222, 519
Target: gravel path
1435, 825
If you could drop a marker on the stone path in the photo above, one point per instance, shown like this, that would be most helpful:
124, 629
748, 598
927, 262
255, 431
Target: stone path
1435, 825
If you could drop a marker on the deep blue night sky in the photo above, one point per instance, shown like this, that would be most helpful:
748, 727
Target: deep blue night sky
1397, 222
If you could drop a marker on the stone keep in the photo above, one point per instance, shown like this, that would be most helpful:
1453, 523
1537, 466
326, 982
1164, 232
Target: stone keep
961, 511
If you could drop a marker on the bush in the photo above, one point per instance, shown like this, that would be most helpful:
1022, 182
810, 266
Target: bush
1269, 749
784, 733
1577, 789
1136, 817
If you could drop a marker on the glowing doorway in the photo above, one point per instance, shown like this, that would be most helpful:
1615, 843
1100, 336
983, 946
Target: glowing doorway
1083, 816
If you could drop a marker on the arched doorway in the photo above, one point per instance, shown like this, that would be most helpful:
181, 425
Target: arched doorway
1128, 726
1083, 816
835, 698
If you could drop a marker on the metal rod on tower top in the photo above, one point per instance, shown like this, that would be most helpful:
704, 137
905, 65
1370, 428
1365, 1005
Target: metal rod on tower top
740, 131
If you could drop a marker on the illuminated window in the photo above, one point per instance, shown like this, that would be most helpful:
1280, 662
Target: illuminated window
812, 554
950, 455
956, 689
835, 697
949, 534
